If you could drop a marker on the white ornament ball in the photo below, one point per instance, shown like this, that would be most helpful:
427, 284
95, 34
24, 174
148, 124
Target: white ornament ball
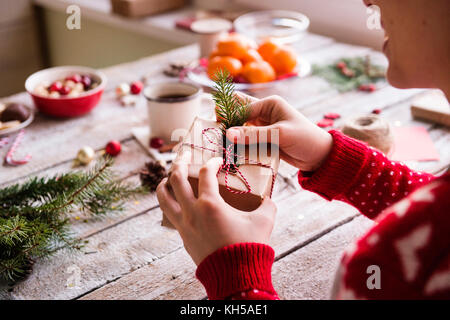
85, 155
122, 89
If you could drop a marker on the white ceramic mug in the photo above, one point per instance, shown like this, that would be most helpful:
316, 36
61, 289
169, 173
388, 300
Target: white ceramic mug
209, 32
172, 107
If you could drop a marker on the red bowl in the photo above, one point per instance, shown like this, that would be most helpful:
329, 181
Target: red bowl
65, 107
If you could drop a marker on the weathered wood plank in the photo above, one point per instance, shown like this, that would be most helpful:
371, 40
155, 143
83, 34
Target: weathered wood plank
108, 256
130, 256
128, 163
117, 246
52, 141
309, 272
300, 217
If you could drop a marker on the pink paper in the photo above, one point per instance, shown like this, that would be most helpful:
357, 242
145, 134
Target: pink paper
413, 143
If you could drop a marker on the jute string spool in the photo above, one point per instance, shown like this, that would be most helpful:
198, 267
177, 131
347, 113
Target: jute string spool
371, 129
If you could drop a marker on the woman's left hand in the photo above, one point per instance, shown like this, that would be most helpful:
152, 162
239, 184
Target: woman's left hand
207, 223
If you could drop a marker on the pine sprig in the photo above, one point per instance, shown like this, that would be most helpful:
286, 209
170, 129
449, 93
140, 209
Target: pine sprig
230, 110
34, 216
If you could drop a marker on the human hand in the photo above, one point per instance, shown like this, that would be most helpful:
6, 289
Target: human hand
302, 143
208, 223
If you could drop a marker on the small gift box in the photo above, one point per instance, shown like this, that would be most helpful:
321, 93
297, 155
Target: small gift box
248, 172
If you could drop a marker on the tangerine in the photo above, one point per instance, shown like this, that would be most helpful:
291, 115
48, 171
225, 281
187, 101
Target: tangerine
267, 48
213, 54
250, 56
234, 45
283, 60
230, 64
258, 71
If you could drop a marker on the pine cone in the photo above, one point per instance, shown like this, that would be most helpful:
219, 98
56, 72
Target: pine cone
152, 174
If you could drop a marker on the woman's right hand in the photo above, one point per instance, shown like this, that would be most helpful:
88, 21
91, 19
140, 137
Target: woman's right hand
302, 143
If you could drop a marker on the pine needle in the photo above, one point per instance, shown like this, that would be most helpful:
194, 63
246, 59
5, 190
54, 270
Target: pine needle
230, 110
364, 73
34, 216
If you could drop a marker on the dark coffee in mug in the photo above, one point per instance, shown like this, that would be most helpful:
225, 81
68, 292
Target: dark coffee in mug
173, 96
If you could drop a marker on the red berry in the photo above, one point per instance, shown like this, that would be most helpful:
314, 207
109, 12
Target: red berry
332, 116
56, 86
376, 111
368, 87
325, 123
347, 72
203, 62
65, 90
136, 87
75, 78
113, 148
86, 81
341, 65
156, 143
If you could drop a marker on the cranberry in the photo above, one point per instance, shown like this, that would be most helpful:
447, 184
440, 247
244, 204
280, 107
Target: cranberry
65, 90
136, 87
347, 72
376, 111
75, 78
156, 143
368, 87
332, 116
341, 65
113, 148
325, 123
86, 81
56, 86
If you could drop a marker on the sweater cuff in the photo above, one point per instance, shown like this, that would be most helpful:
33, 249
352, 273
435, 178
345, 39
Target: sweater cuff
236, 268
340, 170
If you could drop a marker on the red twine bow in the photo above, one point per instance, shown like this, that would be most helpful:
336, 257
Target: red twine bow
228, 162
9, 156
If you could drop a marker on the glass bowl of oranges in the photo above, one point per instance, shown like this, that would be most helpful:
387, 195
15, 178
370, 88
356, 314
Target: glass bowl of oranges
252, 65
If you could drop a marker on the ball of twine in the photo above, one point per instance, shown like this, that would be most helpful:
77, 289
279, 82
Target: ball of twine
371, 129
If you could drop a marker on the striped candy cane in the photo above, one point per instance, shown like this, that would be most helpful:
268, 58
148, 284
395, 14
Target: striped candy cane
9, 156
3, 142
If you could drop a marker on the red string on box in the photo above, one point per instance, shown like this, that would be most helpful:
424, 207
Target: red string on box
228, 162
9, 156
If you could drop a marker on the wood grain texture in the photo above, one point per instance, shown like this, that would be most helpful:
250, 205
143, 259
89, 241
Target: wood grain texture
309, 272
130, 256
116, 246
301, 216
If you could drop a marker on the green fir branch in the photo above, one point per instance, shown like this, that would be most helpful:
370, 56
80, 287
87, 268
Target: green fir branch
231, 110
34, 215
364, 73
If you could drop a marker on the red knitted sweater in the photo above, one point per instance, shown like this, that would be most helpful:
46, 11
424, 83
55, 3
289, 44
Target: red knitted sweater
410, 244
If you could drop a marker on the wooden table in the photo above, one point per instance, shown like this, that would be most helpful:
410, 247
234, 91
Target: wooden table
130, 256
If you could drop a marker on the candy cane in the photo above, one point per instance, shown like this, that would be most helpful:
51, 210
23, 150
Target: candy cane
9, 156
4, 142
